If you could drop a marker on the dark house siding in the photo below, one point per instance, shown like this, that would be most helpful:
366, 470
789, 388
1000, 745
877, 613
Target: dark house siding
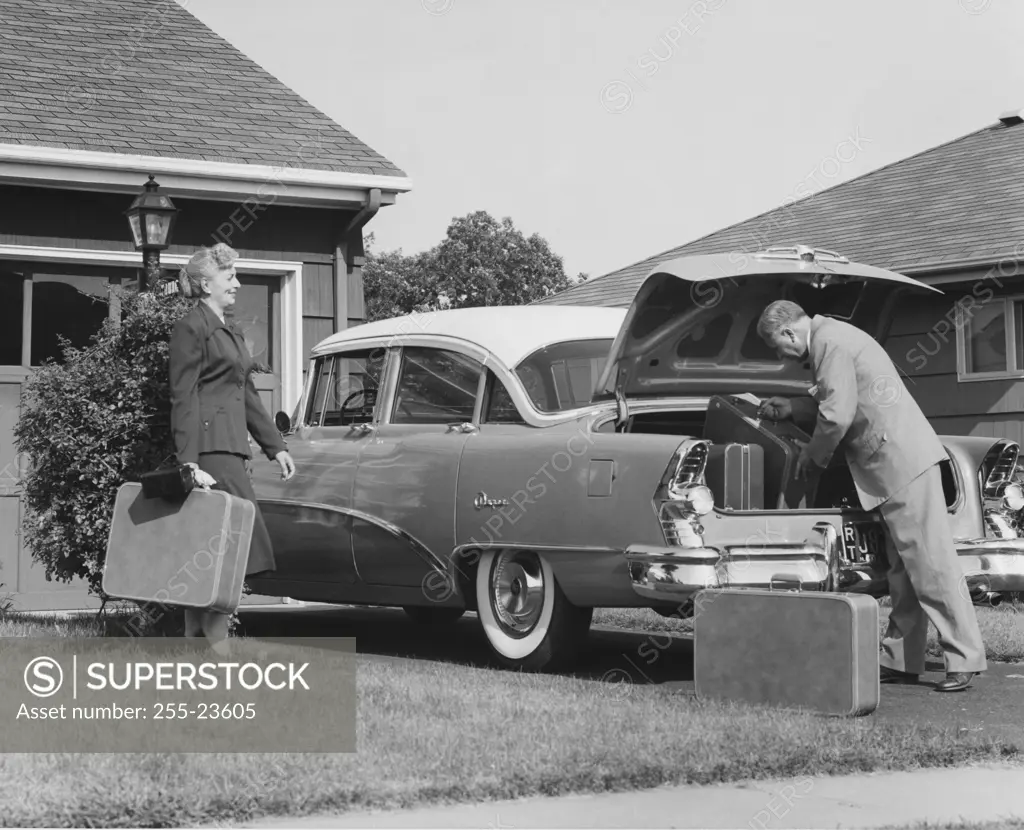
56, 218
79, 219
317, 304
923, 345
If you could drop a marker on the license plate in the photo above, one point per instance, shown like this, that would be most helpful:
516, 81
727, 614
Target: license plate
863, 541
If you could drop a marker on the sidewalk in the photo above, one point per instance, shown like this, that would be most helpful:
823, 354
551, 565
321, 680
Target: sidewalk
885, 799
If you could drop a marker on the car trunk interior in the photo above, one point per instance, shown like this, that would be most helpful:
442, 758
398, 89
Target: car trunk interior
767, 483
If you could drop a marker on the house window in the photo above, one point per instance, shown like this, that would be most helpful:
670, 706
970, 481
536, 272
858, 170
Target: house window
990, 340
12, 317
69, 301
69, 306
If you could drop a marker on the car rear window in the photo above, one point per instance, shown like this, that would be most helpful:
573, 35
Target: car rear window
563, 376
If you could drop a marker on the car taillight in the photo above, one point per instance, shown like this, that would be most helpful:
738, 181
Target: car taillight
689, 461
1013, 496
683, 497
999, 525
1002, 494
998, 468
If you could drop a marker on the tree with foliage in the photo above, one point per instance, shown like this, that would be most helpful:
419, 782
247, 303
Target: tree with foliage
485, 262
481, 261
395, 284
89, 424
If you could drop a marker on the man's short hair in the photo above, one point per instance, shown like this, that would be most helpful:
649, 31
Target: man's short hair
779, 314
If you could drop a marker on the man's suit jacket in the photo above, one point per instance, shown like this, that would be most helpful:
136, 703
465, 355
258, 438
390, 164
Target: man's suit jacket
863, 405
214, 402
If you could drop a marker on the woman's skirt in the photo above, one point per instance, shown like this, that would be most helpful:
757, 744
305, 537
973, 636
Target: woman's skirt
229, 471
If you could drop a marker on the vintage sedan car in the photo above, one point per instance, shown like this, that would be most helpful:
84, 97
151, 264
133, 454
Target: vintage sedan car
533, 463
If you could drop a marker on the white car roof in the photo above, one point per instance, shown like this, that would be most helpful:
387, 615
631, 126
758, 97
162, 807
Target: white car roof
510, 333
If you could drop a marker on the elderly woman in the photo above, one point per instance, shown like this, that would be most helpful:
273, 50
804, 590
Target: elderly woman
214, 404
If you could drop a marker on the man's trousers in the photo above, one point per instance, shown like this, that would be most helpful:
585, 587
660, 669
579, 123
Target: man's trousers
926, 582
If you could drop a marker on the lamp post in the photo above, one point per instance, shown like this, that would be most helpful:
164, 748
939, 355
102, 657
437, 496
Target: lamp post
151, 217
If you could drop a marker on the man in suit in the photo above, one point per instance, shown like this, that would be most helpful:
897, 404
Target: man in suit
893, 455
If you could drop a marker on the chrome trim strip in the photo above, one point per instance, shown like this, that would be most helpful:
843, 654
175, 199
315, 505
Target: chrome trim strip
421, 550
389, 385
481, 394
989, 546
458, 550
695, 404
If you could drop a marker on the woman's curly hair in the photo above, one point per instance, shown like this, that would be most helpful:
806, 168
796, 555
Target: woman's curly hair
204, 262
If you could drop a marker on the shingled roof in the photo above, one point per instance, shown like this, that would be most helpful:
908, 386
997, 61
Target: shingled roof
957, 201
146, 77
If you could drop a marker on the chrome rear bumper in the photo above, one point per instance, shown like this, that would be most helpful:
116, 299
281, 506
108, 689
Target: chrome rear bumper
675, 574
995, 565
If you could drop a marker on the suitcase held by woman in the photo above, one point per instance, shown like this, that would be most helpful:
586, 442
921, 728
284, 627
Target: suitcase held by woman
190, 552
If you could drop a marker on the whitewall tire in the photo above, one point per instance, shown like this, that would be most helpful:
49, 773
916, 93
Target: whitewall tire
526, 618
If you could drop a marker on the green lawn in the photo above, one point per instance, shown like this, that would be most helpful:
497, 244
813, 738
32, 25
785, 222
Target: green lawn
435, 733
432, 733
1002, 628
60, 625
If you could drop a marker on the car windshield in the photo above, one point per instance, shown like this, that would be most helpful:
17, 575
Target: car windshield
563, 376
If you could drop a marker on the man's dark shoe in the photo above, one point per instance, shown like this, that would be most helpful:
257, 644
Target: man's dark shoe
955, 681
887, 675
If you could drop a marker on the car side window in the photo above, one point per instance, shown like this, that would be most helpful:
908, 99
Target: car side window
345, 388
435, 386
501, 409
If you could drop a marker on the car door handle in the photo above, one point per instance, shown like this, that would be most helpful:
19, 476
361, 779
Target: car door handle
461, 427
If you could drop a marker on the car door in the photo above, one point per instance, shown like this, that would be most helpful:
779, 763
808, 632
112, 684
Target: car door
408, 469
310, 517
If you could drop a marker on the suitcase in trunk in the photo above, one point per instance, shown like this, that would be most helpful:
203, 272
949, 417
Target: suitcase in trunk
191, 553
735, 474
808, 649
734, 420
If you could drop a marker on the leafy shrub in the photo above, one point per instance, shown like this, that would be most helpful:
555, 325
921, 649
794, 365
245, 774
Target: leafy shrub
100, 418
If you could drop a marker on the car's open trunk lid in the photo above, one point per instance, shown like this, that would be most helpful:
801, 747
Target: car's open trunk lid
692, 326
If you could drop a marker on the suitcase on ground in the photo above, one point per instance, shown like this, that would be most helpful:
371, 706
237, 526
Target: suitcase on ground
734, 420
735, 474
806, 649
191, 553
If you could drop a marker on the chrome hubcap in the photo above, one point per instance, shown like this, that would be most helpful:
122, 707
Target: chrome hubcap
517, 591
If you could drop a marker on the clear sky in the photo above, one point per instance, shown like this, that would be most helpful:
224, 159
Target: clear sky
617, 130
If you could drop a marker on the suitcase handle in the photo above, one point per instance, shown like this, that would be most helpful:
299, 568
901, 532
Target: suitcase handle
786, 579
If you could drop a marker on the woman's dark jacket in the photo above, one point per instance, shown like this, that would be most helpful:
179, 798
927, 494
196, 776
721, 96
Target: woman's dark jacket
213, 399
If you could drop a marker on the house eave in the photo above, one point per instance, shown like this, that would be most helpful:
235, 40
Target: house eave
59, 167
949, 271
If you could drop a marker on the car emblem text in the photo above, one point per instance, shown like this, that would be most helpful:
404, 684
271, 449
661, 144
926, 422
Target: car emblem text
481, 501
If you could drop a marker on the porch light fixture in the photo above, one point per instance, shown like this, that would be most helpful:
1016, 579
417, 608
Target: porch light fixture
151, 218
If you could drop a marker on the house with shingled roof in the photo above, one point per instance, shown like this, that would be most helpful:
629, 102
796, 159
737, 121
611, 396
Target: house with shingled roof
951, 217
94, 98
